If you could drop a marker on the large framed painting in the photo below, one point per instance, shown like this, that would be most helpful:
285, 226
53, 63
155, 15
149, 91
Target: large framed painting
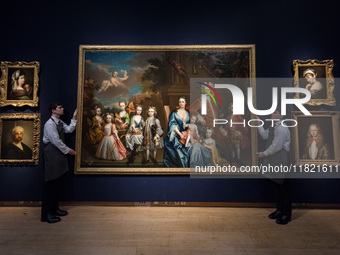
316, 138
19, 138
317, 77
19, 83
126, 97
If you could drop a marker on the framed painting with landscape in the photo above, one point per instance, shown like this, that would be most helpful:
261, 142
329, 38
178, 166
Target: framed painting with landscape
127, 96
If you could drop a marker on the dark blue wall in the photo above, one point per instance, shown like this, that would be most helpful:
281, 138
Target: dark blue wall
52, 32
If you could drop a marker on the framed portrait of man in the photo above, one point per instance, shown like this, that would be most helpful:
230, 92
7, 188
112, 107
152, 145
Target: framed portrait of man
20, 138
19, 83
317, 77
127, 95
316, 138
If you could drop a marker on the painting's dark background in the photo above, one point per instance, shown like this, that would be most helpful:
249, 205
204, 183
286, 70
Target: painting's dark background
52, 32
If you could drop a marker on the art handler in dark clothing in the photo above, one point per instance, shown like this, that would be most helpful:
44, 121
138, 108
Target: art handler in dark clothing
275, 154
55, 162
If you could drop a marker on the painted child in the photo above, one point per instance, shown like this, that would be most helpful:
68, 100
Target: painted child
110, 147
96, 132
194, 135
134, 137
122, 120
152, 135
114, 81
210, 143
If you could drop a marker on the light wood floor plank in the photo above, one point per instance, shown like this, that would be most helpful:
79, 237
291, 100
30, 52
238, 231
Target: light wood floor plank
168, 230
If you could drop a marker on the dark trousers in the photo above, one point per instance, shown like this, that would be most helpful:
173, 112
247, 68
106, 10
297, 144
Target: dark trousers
282, 194
51, 196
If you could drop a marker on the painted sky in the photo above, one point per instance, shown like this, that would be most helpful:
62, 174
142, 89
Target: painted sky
99, 65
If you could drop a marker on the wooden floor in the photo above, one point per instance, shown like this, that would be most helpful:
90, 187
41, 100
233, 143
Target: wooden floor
168, 230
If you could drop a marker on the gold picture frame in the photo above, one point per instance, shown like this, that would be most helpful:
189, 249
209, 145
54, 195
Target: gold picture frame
98, 61
325, 125
322, 85
29, 125
18, 91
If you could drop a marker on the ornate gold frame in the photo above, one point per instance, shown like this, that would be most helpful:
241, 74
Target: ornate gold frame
328, 65
335, 117
4, 83
147, 171
36, 119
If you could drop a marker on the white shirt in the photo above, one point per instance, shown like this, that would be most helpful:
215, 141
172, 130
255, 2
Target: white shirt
51, 133
281, 138
313, 150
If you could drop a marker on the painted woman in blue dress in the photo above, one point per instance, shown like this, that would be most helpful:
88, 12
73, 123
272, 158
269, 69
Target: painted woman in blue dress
176, 154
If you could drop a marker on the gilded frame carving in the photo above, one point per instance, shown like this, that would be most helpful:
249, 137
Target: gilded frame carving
323, 70
85, 83
29, 94
31, 138
327, 125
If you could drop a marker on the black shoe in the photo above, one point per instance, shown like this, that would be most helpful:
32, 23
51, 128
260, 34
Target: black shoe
145, 162
59, 212
131, 160
239, 162
275, 215
283, 220
50, 218
154, 161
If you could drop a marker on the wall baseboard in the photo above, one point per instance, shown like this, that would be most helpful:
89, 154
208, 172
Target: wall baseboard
172, 204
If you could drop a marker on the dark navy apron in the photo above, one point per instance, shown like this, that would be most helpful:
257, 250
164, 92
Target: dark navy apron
276, 159
56, 163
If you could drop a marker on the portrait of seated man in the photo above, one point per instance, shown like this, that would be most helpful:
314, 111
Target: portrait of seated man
17, 149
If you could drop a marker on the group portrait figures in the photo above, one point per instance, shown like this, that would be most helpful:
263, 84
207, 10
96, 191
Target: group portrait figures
232, 138
138, 138
126, 135
153, 123
133, 135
